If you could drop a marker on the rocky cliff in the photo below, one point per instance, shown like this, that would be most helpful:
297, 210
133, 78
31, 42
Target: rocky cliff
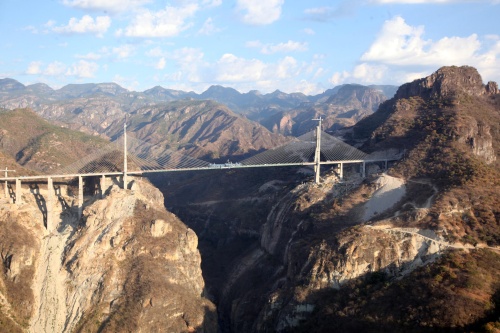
311, 258
127, 266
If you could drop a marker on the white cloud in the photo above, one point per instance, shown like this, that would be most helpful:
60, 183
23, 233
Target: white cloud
83, 69
427, 1
230, 68
260, 12
55, 68
161, 63
289, 46
309, 31
164, 23
208, 28
123, 51
89, 56
211, 3
339, 78
86, 24
156, 52
31, 29
326, 13
34, 68
112, 6
401, 44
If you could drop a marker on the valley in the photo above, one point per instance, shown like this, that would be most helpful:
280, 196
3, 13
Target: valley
264, 249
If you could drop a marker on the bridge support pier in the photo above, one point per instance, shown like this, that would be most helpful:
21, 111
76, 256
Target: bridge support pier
50, 203
18, 191
317, 153
6, 189
341, 171
363, 170
386, 166
80, 197
102, 185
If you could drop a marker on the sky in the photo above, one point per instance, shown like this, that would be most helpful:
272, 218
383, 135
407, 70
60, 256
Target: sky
294, 46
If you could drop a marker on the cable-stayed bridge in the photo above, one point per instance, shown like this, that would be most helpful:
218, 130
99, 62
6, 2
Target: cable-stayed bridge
129, 156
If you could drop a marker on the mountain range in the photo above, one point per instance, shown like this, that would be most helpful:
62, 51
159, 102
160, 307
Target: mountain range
216, 124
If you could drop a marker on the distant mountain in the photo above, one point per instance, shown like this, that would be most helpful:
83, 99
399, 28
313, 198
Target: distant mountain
254, 105
90, 89
99, 109
10, 85
166, 95
345, 106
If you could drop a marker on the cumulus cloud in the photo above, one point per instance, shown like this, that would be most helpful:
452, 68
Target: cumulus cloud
208, 28
426, 1
112, 6
86, 24
89, 56
161, 63
309, 31
230, 68
260, 12
168, 22
34, 68
55, 68
401, 44
400, 53
123, 51
326, 13
83, 69
289, 46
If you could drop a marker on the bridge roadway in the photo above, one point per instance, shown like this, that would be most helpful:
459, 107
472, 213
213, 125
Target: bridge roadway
17, 193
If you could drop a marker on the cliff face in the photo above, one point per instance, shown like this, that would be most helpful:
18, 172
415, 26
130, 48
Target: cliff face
131, 266
448, 82
314, 258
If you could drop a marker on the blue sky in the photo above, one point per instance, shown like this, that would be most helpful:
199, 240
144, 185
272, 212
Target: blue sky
305, 46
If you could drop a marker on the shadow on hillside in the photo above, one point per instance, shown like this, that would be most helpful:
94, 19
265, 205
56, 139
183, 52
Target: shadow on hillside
40, 201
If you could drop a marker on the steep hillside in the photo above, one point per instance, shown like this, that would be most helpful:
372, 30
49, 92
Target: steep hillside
346, 106
39, 145
449, 124
203, 129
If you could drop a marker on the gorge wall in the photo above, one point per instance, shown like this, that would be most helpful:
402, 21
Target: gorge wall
127, 266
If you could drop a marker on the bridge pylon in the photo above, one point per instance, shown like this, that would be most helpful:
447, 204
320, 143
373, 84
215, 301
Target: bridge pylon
317, 153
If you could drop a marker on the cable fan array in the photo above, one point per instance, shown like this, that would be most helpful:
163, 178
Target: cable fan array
141, 156
146, 157
302, 149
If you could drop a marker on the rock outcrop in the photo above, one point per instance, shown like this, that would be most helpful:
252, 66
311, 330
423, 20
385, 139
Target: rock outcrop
128, 266
448, 82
